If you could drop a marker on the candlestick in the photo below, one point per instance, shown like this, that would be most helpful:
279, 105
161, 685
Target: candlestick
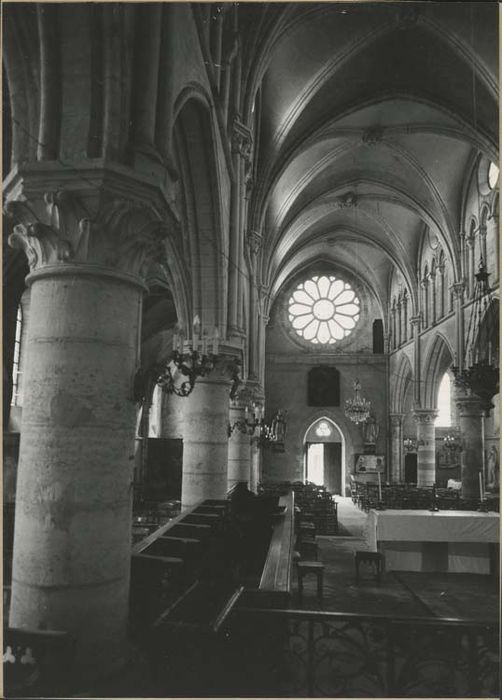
215, 340
481, 495
379, 487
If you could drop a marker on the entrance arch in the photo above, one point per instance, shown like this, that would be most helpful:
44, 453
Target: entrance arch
335, 436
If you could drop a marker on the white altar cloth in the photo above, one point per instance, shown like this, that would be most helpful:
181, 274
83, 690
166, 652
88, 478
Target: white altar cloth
420, 540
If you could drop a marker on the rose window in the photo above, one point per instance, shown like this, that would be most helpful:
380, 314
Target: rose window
323, 310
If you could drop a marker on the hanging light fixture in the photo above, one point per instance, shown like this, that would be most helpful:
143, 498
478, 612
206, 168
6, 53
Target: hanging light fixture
479, 372
357, 409
452, 442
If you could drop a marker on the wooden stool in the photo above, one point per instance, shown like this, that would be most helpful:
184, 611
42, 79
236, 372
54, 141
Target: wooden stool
310, 567
308, 550
373, 558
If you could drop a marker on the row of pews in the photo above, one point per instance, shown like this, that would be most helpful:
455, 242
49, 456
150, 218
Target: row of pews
190, 575
187, 577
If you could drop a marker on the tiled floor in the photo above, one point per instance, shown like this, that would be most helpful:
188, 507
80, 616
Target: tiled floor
400, 594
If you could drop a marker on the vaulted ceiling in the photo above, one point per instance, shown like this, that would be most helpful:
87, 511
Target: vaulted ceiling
369, 119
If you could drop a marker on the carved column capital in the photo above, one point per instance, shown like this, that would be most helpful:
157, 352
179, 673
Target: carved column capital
416, 320
468, 406
396, 419
254, 240
99, 230
243, 397
425, 416
458, 290
242, 140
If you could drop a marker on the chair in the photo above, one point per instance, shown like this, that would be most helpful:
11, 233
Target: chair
310, 567
375, 559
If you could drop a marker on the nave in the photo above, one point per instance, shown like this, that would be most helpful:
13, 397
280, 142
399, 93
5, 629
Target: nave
248, 246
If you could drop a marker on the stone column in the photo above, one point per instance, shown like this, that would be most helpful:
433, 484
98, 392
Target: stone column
205, 436
426, 452
239, 443
396, 447
469, 420
416, 322
458, 293
73, 513
171, 416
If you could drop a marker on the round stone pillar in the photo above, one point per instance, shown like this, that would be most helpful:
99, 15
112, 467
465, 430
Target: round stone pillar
471, 457
205, 438
72, 538
396, 447
73, 505
171, 416
426, 452
239, 445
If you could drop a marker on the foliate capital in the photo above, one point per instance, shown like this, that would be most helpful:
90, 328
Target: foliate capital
458, 290
396, 419
242, 140
243, 397
99, 230
425, 416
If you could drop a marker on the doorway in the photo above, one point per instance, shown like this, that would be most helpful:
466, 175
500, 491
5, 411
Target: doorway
410, 468
324, 465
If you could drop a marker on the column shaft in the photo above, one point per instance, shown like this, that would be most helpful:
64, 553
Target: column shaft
205, 444
239, 450
426, 454
469, 420
396, 447
73, 514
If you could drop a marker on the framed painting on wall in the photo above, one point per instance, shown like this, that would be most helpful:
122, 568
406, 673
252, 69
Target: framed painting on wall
370, 464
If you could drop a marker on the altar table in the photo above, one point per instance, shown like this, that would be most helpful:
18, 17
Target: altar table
420, 540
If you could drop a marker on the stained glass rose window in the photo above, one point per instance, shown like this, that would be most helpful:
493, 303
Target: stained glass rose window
323, 309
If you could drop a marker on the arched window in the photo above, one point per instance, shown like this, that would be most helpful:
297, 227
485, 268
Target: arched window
493, 175
323, 310
17, 398
443, 419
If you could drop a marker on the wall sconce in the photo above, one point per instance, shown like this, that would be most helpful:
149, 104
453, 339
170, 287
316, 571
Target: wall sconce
248, 427
192, 360
412, 444
273, 434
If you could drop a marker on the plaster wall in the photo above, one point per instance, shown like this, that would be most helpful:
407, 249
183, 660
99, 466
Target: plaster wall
288, 362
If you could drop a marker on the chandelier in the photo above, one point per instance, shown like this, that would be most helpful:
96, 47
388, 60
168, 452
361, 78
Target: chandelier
479, 372
188, 361
357, 409
452, 442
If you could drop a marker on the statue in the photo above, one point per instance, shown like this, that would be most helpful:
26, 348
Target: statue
279, 426
493, 469
370, 430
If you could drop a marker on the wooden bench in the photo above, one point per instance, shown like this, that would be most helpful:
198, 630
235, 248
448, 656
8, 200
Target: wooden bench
37, 663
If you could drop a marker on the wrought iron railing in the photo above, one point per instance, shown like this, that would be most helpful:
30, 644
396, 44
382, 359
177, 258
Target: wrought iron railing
290, 653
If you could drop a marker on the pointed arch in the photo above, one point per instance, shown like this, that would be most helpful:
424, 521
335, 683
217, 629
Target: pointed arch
402, 381
329, 418
439, 358
195, 146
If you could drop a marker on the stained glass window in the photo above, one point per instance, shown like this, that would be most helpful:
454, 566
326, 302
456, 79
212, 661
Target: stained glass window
323, 309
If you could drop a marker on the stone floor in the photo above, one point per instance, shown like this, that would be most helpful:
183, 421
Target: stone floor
400, 594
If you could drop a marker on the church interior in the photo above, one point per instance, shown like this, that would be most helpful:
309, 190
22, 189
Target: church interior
251, 349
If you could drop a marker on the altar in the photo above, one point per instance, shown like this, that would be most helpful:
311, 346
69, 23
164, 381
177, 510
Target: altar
421, 540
